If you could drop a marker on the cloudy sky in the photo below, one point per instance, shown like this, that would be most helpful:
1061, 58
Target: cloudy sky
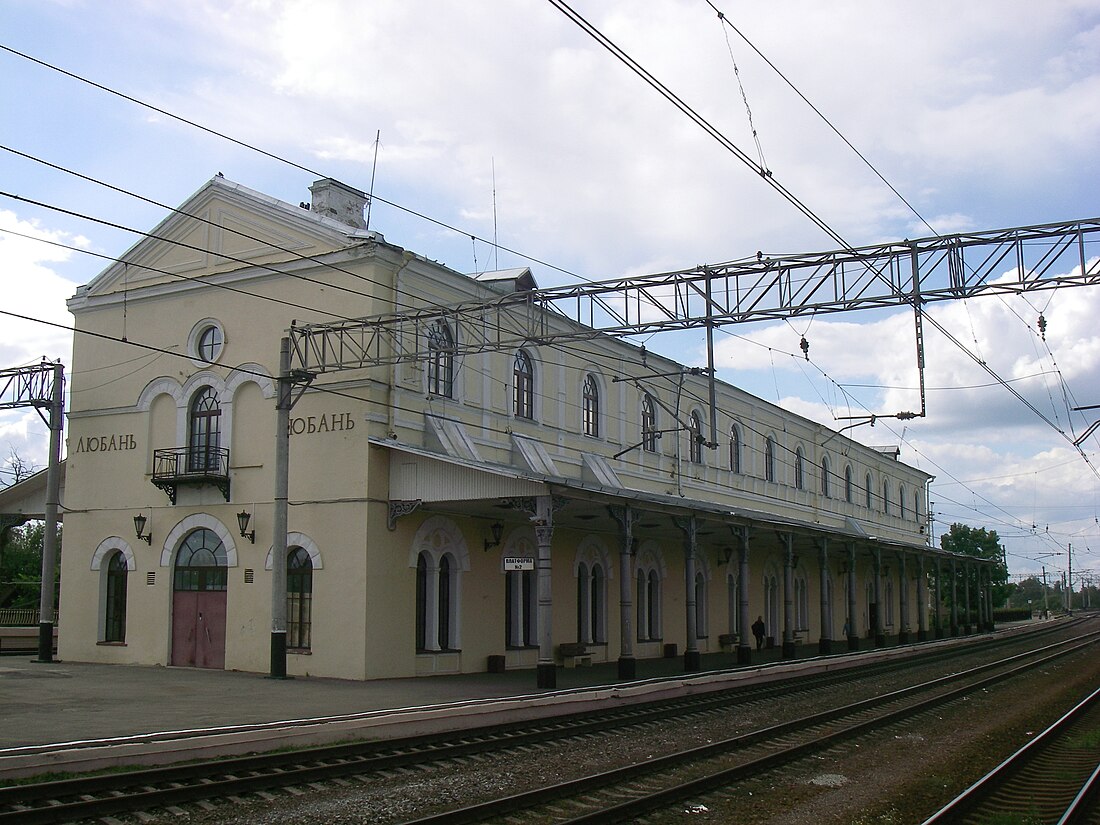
981, 115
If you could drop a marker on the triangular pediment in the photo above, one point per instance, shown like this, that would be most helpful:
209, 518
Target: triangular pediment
223, 227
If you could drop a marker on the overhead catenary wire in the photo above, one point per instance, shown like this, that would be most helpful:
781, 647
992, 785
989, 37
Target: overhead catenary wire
253, 148
727, 144
725, 20
300, 167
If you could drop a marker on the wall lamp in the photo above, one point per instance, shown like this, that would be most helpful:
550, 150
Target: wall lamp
243, 518
498, 531
139, 528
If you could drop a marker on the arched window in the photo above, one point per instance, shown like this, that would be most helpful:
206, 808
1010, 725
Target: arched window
735, 449
801, 603
916, 505
435, 588
869, 489
439, 556
421, 602
695, 437
733, 611
201, 563
591, 603
114, 625
590, 406
649, 604
440, 360
771, 606
701, 629
520, 608
443, 622
886, 496
769, 459
205, 433
649, 424
825, 476
848, 491
901, 501
799, 469
523, 386
299, 599
520, 598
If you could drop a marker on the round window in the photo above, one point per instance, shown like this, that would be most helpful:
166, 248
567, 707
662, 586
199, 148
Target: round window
210, 344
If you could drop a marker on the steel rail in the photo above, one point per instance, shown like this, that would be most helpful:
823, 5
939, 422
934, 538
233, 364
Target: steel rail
642, 805
71, 799
1046, 774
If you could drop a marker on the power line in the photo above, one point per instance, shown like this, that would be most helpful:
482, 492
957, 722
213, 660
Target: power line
764, 174
273, 156
722, 17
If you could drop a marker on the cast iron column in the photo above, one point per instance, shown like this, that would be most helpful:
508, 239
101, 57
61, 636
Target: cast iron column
544, 531
788, 597
967, 630
922, 601
954, 598
903, 601
744, 649
626, 517
692, 659
825, 643
880, 636
939, 598
853, 633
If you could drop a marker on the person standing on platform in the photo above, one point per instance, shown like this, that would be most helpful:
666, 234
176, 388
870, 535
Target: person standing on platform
758, 631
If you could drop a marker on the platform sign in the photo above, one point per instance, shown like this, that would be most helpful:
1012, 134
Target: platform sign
518, 563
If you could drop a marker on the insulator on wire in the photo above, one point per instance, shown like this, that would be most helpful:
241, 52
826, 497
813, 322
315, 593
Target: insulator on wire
805, 347
1043, 326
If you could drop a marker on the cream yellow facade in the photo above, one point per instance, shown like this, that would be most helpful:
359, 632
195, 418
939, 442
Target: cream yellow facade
399, 476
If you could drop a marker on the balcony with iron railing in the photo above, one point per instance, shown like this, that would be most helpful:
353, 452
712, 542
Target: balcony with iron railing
191, 466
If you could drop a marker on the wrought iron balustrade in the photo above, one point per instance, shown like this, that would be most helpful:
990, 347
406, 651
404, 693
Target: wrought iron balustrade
179, 466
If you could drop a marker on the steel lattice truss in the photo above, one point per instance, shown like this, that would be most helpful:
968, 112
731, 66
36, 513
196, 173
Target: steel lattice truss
906, 273
27, 386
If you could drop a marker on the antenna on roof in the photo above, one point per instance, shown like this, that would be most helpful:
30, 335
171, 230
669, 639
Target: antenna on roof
496, 249
374, 167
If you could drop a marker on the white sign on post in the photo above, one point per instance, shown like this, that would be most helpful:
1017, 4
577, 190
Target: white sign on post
518, 563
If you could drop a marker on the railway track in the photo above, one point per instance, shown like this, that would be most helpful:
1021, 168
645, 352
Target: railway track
631, 793
114, 794
1054, 778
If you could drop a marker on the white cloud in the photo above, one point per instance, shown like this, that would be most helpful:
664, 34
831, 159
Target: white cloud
33, 289
982, 114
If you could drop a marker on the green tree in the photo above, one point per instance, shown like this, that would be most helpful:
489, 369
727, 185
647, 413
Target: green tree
981, 544
21, 565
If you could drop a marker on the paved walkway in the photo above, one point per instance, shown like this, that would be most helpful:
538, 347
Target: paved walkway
72, 701
75, 716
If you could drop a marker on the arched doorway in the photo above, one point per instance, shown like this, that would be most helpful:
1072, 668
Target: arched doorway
198, 601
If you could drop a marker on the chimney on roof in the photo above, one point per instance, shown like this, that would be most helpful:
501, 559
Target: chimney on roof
338, 201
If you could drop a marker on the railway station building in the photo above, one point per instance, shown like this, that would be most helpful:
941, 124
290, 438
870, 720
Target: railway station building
528, 508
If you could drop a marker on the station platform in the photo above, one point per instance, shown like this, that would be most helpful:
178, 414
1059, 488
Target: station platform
78, 716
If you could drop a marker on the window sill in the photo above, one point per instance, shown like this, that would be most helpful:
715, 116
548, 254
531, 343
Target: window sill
111, 644
300, 651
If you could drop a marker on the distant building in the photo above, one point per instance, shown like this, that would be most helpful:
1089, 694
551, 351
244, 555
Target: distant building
421, 494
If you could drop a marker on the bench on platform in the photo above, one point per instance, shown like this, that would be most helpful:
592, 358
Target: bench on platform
573, 654
728, 641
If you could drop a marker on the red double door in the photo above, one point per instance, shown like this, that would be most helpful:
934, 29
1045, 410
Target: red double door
198, 628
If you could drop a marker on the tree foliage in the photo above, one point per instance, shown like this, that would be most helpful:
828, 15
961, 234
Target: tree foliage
21, 564
21, 548
981, 544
